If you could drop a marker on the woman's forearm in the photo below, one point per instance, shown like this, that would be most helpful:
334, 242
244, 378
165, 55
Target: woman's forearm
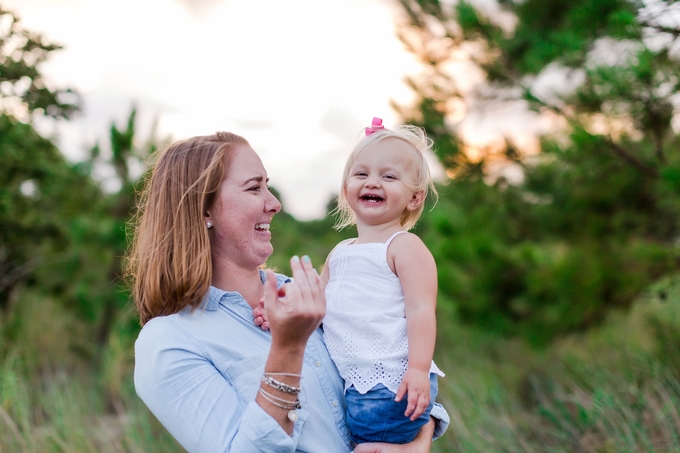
421, 444
285, 366
294, 311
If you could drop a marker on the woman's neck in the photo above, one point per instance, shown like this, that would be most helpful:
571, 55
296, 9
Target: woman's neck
231, 277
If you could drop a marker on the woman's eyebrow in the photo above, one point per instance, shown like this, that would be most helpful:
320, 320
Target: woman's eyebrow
253, 179
257, 179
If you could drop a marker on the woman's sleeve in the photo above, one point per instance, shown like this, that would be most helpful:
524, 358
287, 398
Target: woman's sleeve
442, 420
195, 403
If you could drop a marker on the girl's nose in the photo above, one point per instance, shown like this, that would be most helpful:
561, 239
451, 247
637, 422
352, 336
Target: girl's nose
372, 181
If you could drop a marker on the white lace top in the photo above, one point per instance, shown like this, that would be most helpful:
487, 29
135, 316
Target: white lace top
365, 325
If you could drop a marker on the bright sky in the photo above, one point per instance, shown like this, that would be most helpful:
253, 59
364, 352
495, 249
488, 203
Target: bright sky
298, 78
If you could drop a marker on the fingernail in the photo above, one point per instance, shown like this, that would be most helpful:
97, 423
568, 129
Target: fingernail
316, 272
306, 259
296, 259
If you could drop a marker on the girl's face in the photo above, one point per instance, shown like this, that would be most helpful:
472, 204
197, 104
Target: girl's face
377, 186
242, 212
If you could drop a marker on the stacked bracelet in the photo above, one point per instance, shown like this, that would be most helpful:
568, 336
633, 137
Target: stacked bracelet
282, 386
288, 405
280, 402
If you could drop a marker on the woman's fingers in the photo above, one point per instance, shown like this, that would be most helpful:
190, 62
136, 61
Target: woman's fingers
297, 308
300, 274
309, 284
367, 448
271, 293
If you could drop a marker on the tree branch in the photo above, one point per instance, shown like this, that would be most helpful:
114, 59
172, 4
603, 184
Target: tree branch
673, 31
643, 168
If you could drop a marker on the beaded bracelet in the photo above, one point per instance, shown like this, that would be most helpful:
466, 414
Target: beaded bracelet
278, 385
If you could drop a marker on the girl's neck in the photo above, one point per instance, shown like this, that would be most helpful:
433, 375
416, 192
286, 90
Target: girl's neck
231, 277
376, 233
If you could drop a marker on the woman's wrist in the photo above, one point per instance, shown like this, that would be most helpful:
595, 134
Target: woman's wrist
280, 384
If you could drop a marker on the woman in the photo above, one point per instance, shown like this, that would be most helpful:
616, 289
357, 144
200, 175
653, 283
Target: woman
213, 379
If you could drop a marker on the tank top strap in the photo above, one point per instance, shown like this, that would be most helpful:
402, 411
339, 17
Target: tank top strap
387, 242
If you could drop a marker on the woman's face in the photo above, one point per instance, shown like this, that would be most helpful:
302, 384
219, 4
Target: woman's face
242, 212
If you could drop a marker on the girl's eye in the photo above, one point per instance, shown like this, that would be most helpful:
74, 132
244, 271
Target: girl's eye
360, 173
389, 177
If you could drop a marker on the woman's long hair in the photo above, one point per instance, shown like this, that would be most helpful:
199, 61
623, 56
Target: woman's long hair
169, 264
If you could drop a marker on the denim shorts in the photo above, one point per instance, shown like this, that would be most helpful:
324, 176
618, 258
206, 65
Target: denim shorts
376, 417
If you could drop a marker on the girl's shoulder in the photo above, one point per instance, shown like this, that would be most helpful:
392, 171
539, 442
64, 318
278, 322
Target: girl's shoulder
405, 238
408, 244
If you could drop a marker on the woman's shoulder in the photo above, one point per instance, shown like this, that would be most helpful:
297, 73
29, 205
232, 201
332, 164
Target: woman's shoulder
161, 331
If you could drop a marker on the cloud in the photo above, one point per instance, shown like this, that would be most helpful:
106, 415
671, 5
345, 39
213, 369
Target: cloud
340, 123
199, 8
299, 90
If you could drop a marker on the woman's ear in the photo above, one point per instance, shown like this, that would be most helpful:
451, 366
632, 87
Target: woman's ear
416, 201
208, 219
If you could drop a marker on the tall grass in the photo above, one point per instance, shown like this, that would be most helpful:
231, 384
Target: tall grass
612, 389
52, 397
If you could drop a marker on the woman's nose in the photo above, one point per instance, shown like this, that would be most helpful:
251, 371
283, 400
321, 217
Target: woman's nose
272, 204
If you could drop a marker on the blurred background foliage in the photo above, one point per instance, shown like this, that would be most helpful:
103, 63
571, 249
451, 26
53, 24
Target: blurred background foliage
556, 239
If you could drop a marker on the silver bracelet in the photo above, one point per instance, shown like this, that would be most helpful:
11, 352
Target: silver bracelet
280, 402
278, 385
290, 406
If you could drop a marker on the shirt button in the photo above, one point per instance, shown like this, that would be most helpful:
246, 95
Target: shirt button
317, 363
334, 404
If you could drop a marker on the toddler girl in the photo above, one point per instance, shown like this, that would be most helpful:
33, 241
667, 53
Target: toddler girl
381, 289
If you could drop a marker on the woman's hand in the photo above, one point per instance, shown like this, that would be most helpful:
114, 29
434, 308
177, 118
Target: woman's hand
296, 309
421, 444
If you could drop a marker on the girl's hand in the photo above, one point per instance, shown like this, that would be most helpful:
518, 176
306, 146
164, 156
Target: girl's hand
421, 444
296, 309
416, 383
259, 316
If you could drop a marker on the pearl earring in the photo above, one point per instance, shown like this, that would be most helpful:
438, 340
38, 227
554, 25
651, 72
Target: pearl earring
208, 224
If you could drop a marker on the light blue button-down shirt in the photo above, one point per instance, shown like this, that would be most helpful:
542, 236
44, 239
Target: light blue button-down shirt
199, 372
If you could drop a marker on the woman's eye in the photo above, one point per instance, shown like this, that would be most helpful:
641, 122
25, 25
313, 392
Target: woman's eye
254, 188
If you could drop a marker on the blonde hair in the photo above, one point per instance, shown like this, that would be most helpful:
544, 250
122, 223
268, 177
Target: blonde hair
169, 264
420, 143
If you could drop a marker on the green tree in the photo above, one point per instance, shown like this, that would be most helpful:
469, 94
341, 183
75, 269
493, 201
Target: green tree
37, 185
128, 156
41, 196
24, 91
597, 213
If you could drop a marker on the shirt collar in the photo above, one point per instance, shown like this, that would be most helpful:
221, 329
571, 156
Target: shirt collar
234, 299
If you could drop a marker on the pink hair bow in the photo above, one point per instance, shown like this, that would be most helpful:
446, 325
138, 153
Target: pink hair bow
376, 126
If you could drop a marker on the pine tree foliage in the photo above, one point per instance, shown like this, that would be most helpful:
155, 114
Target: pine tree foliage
596, 215
23, 89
